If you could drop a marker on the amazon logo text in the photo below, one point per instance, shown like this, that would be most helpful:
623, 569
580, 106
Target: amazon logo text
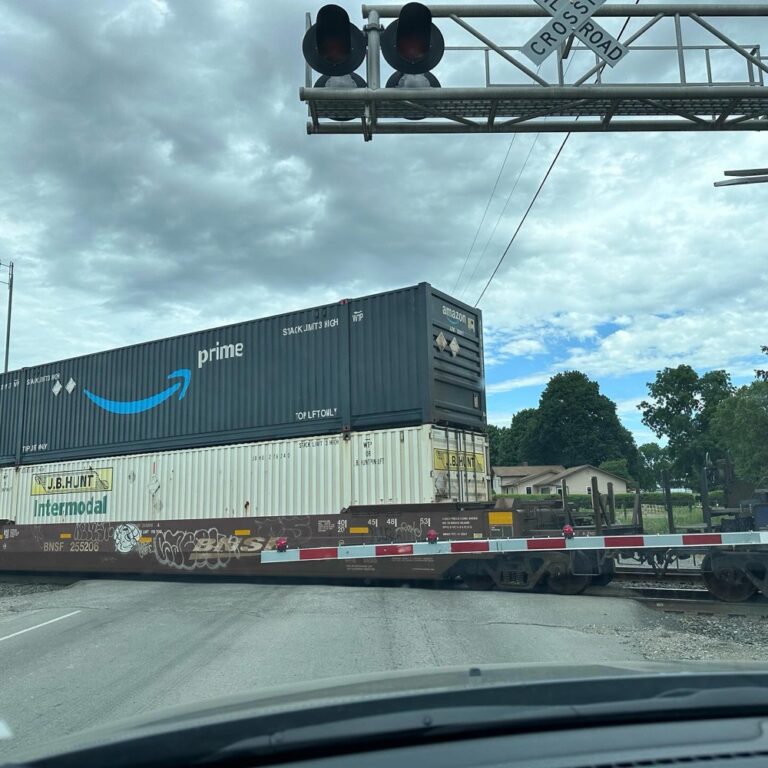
219, 352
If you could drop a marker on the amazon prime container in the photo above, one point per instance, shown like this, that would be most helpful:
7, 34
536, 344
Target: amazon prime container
318, 475
406, 357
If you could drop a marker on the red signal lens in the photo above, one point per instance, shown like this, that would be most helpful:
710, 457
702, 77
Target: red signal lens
334, 49
332, 34
413, 48
414, 32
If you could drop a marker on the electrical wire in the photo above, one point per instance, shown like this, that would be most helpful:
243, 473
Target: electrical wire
538, 191
485, 213
525, 216
504, 209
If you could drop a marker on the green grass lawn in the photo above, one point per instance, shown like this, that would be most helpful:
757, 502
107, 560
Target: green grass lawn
655, 517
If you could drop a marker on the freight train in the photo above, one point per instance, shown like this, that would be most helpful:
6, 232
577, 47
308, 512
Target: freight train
346, 441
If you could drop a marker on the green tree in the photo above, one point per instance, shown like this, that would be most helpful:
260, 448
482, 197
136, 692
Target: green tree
522, 427
653, 461
576, 424
497, 439
759, 373
505, 442
681, 408
740, 424
619, 467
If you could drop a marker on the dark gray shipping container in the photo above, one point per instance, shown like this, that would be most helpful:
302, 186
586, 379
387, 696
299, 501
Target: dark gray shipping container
411, 356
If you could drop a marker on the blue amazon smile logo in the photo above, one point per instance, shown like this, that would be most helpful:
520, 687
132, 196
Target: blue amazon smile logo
139, 406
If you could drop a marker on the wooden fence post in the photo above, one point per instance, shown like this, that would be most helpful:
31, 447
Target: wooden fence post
611, 505
596, 508
705, 510
637, 511
566, 509
668, 501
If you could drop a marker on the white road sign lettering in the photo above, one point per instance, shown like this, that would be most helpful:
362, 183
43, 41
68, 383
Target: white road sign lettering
573, 17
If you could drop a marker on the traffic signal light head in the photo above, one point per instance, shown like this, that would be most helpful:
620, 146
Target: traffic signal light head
333, 46
412, 44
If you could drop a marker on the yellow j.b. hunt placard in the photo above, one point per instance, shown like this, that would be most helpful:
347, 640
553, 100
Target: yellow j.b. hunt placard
453, 460
80, 481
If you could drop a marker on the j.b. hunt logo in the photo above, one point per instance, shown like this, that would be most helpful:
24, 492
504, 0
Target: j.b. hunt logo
182, 376
82, 481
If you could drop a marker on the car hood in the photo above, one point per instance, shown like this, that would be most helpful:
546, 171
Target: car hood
367, 688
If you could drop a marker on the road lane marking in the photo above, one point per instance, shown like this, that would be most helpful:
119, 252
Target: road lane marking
37, 626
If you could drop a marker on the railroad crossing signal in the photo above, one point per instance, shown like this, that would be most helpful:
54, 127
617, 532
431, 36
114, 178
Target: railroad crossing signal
573, 17
335, 48
412, 45
513, 96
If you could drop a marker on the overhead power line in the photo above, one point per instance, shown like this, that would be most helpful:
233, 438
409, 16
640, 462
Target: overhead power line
525, 216
538, 191
504, 209
485, 213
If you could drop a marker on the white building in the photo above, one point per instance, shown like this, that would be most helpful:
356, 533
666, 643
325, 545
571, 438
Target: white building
547, 479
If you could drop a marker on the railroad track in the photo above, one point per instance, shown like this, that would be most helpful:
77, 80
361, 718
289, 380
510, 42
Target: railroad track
682, 600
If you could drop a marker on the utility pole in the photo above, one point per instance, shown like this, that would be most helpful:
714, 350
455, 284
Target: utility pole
9, 283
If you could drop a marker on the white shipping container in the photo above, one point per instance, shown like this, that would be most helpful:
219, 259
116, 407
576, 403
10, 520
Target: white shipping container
303, 476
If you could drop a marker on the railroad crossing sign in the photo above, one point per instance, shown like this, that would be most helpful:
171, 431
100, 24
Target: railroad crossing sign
573, 17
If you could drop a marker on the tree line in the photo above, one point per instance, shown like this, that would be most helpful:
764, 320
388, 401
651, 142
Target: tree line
704, 419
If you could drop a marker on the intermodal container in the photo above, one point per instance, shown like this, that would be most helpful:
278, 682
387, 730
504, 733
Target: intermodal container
318, 475
406, 357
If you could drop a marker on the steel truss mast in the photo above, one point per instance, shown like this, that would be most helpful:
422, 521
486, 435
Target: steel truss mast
690, 97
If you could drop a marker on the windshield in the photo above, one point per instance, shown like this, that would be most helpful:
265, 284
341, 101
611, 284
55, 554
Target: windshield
344, 343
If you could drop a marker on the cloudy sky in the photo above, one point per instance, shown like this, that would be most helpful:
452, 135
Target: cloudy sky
156, 178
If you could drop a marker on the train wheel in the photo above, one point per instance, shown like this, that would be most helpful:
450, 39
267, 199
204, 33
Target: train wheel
571, 584
731, 585
561, 581
606, 577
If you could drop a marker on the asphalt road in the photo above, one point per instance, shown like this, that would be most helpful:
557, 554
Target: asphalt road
103, 650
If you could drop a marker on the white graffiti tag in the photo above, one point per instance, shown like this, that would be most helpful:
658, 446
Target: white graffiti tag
187, 550
126, 537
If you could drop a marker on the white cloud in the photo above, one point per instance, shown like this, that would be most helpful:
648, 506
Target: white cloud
533, 380
705, 339
520, 347
180, 190
628, 406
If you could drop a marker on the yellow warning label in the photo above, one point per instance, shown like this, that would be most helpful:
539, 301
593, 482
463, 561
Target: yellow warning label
242, 532
82, 481
500, 518
65, 535
454, 460
358, 529
145, 539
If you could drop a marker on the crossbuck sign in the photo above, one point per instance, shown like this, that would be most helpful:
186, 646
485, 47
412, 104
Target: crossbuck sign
573, 17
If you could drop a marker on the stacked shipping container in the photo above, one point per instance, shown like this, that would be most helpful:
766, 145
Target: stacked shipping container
377, 400
282, 478
407, 357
